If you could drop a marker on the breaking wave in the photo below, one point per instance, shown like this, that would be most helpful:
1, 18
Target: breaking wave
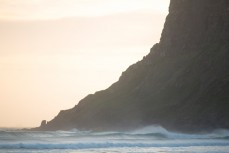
152, 136
104, 145
150, 131
160, 132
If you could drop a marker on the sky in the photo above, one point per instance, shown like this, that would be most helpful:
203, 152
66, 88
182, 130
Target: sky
53, 53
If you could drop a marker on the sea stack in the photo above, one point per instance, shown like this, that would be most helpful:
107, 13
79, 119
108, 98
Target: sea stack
43, 123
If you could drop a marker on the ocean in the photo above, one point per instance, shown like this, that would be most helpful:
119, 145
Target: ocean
150, 139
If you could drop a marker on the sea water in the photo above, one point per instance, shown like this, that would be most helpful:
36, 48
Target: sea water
146, 140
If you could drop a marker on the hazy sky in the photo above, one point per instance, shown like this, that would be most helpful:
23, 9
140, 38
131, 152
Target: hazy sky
55, 52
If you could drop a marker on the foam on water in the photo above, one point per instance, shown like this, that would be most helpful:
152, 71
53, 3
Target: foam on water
160, 132
106, 145
148, 137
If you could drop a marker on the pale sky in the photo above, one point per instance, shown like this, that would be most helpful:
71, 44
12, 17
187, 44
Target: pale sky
53, 53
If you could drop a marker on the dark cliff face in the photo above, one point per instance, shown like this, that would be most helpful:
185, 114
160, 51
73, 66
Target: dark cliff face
182, 84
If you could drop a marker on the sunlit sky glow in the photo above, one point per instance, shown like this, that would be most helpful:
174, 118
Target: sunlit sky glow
55, 52
55, 9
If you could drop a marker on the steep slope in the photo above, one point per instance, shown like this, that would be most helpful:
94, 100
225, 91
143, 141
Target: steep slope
182, 84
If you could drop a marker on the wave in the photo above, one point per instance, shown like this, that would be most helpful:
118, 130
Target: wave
117, 134
40, 134
160, 132
149, 130
156, 132
105, 145
151, 136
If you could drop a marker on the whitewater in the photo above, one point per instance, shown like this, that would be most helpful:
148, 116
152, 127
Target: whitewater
150, 139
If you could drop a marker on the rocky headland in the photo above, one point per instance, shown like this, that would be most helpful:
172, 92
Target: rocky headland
182, 84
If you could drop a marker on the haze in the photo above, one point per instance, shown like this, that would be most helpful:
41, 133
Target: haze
54, 52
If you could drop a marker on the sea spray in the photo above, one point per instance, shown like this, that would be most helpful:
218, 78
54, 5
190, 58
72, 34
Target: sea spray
147, 138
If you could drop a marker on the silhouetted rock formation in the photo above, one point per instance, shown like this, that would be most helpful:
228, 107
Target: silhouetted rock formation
43, 123
182, 84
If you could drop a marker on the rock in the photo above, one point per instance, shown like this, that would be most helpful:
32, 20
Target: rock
43, 123
182, 84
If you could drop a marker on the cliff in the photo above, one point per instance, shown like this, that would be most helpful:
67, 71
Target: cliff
182, 84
